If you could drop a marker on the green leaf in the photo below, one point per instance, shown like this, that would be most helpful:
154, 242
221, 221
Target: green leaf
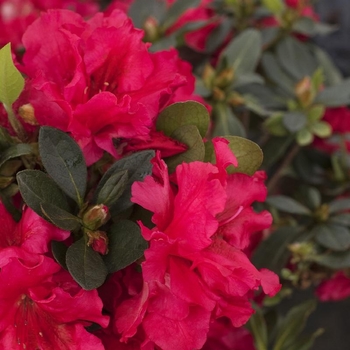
274, 124
339, 205
249, 155
292, 325
275, 148
341, 219
296, 58
294, 121
14, 151
288, 205
59, 217
59, 251
274, 6
336, 95
190, 136
141, 10
85, 265
304, 137
11, 80
332, 74
332, 236
226, 122
243, 52
138, 165
321, 129
275, 73
313, 197
37, 188
258, 327
126, 245
113, 188
272, 253
316, 113
64, 162
334, 260
176, 10
183, 113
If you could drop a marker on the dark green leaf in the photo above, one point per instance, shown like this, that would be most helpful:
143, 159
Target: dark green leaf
165, 43
275, 148
339, 205
330, 70
296, 58
183, 113
190, 136
341, 219
272, 253
258, 327
59, 217
226, 122
85, 265
336, 95
292, 325
126, 245
294, 121
218, 35
275, 73
332, 236
334, 260
138, 166
113, 188
177, 9
64, 162
141, 10
313, 197
14, 151
11, 80
243, 52
37, 188
59, 251
288, 205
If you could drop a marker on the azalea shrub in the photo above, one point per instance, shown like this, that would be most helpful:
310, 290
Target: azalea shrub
170, 172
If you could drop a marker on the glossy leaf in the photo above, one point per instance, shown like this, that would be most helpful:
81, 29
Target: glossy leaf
85, 265
15, 151
126, 245
37, 188
64, 162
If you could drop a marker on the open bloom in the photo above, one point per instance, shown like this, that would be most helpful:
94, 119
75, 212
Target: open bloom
17, 15
193, 271
105, 85
41, 307
334, 289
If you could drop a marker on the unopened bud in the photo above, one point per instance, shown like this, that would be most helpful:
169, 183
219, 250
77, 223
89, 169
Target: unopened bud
150, 26
224, 78
208, 75
235, 99
96, 216
303, 91
27, 114
98, 241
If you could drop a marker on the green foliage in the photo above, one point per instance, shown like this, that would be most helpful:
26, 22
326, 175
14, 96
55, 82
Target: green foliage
11, 80
85, 265
64, 162
126, 245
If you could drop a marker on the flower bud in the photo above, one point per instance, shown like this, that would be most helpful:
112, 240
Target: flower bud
26, 112
303, 91
96, 216
98, 241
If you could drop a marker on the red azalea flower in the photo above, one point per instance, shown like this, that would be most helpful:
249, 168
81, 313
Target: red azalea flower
32, 233
225, 337
17, 15
334, 289
105, 85
186, 245
42, 307
339, 119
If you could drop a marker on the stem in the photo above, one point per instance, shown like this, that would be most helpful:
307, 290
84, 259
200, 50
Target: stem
15, 123
279, 173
